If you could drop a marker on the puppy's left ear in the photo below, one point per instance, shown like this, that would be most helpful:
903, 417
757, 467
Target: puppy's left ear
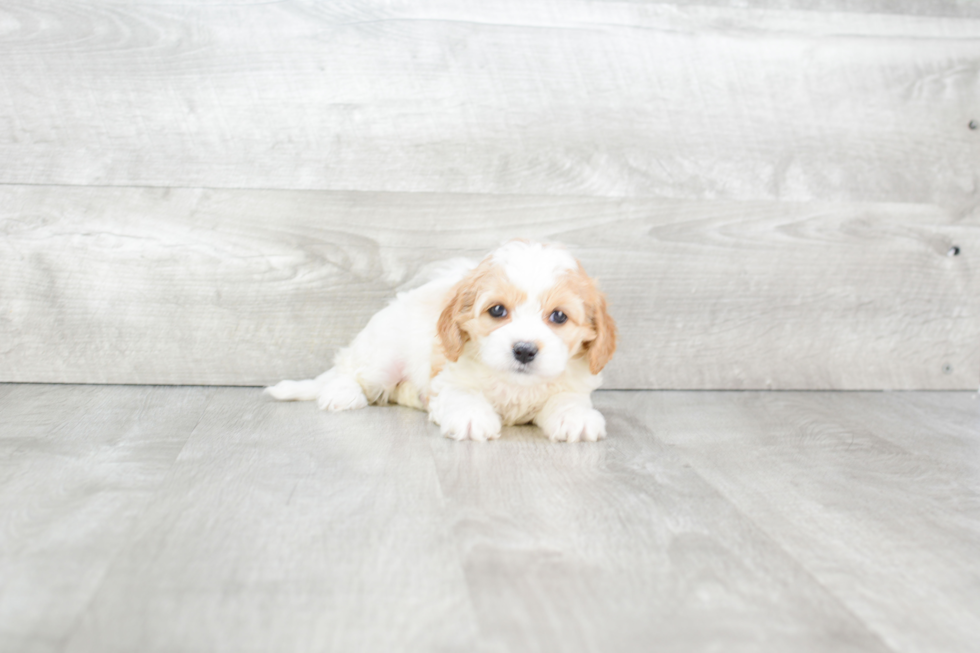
602, 348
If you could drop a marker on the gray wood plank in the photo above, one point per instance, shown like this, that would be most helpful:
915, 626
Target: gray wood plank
706, 521
597, 98
623, 547
912, 423
187, 286
962, 8
886, 517
78, 465
282, 528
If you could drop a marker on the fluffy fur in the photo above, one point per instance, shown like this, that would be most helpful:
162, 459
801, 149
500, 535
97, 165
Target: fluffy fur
445, 347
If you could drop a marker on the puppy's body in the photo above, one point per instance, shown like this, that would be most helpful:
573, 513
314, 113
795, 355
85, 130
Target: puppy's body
391, 358
518, 338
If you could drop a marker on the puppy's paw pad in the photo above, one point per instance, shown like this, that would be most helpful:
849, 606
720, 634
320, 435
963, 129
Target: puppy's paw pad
585, 425
341, 394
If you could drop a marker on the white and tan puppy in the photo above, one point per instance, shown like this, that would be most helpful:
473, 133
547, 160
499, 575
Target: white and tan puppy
519, 337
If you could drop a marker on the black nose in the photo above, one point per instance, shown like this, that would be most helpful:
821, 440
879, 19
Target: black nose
525, 352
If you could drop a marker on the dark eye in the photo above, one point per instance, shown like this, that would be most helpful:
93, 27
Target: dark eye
558, 317
497, 311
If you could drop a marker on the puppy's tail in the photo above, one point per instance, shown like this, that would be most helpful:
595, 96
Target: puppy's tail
295, 390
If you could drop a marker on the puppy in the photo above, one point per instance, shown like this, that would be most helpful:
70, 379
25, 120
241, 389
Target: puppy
518, 338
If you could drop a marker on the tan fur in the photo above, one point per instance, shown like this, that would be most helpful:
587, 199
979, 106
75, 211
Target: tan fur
568, 296
465, 316
602, 348
590, 330
494, 290
451, 336
438, 360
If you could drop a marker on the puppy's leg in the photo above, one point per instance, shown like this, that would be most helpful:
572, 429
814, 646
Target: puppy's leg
569, 417
294, 390
333, 390
340, 391
464, 415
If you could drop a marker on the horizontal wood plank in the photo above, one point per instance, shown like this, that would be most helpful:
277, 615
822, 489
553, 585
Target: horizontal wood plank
694, 101
184, 286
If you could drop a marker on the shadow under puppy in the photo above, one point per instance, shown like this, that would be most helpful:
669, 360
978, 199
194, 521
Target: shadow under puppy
519, 337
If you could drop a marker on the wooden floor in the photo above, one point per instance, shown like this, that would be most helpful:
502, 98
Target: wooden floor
140, 518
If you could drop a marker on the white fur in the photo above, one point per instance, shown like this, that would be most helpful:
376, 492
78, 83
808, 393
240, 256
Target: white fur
471, 398
534, 266
527, 325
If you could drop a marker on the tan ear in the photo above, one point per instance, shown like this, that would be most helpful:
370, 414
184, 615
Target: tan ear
602, 348
460, 301
451, 335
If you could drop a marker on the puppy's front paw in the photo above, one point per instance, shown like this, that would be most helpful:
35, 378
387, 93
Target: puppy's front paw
341, 393
470, 423
574, 424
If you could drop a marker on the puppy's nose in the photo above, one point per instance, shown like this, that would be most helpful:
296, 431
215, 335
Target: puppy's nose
525, 351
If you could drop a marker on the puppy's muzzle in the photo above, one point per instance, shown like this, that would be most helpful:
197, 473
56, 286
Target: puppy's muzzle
525, 352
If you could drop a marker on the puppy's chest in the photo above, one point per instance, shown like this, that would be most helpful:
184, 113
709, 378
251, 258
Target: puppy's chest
517, 404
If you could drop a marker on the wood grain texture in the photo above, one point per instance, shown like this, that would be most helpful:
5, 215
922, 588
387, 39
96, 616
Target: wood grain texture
697, 101
623, 547
190, 519
181, 286
278, 530
78, 466
949, 8
891, 497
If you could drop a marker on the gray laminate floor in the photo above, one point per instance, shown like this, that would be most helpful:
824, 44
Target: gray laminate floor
211, 519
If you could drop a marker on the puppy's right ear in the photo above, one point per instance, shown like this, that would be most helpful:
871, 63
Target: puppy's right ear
450, 331
456, 312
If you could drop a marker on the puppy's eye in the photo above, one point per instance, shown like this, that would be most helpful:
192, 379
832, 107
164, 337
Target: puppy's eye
557, 317
497, 311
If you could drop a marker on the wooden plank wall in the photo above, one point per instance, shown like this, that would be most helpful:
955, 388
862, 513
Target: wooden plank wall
770, 194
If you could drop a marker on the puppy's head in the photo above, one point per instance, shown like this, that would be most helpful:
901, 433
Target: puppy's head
528, 309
